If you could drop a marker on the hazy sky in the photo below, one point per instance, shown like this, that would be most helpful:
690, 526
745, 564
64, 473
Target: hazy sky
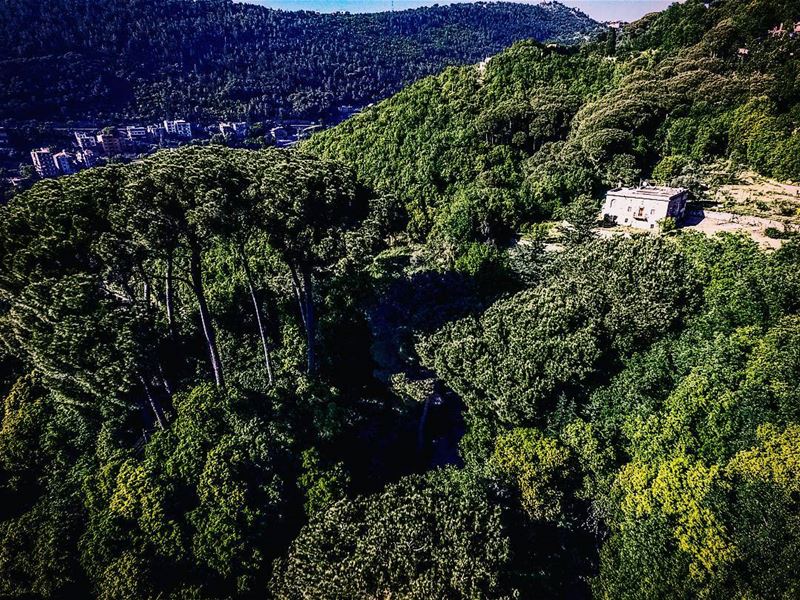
601, 10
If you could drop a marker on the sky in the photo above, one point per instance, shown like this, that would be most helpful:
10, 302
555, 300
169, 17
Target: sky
600, 10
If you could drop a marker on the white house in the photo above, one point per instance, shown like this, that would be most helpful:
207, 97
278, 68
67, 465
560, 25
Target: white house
645, 206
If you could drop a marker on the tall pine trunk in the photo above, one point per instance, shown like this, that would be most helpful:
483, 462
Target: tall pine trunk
169, 298
298, 294
205, 317
264, 345
311, 324
422, 422
304, 292
154, 405
146, 287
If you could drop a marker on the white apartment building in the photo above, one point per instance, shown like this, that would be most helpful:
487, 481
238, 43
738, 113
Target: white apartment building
85, 140
87, 158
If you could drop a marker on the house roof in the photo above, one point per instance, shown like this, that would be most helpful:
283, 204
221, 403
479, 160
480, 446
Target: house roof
647, 193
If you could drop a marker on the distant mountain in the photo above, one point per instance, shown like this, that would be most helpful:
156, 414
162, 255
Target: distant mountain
103, 59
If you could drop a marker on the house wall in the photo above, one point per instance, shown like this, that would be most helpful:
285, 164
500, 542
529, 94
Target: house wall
627, 209
677, 206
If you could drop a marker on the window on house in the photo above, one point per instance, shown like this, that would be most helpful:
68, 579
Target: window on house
629, 209
652, 211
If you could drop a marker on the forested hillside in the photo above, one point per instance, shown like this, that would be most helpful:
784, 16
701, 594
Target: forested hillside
215, 372
239, 373
205, 59
475, 153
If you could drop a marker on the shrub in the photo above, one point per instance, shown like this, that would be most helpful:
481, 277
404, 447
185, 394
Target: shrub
667, 224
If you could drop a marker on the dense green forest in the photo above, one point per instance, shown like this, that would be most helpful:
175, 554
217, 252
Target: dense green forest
234, 373
205, 59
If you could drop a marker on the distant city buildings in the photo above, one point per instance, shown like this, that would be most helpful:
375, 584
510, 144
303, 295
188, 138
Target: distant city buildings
91, 144
85, 140
93, 147
86, 158
136, 133
48, 164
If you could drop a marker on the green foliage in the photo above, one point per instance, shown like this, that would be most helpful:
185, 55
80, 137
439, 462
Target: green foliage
765, 512
321, 486
453, 147
45, 446
777, 234
24, 415
538, 466
659, 449
121, 287
668, 529
667, 224
599, 299
579, 219
143, 527
433, 536
485, 264
536, 128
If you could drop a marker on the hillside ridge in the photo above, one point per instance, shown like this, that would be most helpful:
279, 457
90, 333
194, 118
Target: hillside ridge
73, 59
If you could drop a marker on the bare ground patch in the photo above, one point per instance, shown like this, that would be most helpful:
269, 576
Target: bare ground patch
758, 196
